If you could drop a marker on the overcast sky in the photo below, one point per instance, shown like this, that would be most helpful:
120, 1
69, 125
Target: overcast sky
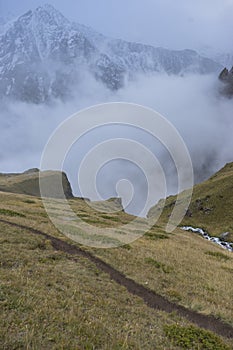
168, 23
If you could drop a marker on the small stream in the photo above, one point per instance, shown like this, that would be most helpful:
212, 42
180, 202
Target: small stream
216, 240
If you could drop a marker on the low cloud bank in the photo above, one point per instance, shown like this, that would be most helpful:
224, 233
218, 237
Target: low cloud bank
191, 103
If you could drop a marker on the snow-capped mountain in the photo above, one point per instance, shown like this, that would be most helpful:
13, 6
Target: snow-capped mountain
43, 55
223, 58
4, 20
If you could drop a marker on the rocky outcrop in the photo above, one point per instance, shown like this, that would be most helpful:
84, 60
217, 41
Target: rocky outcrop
226, 78
29, 183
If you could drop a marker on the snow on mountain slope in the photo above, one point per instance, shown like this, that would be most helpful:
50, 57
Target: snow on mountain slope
5, 21
223, 58
43, 55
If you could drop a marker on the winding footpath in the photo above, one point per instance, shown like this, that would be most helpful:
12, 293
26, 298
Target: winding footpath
151, 299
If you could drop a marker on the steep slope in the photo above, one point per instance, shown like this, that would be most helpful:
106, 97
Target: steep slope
28, 183
211, 205
49, 298
53, 289
5, 21
43, 56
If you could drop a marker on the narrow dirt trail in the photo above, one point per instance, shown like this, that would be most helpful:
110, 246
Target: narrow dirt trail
150, 298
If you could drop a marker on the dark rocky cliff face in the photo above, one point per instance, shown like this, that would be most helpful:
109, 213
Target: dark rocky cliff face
226, 78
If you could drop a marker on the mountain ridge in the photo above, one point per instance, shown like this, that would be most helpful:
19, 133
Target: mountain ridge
43, 55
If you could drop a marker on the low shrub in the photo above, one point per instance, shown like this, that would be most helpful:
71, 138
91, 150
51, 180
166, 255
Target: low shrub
218, 255
194, 338
8, 212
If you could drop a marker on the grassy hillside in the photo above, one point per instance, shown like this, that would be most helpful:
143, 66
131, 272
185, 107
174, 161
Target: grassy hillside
53, 299
28, 183
211, 206
48, 301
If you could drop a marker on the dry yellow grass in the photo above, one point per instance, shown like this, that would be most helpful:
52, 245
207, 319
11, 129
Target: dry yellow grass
188, 275
211, 205
49, 301
181, 269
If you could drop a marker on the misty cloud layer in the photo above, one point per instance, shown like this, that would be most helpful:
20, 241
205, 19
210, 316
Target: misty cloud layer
191, 103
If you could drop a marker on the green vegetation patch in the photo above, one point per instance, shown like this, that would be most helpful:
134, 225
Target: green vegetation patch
194, 338
174, 295
159, 265
126, 246
29, 201
108, 217
218, 255
154, 236
8, 212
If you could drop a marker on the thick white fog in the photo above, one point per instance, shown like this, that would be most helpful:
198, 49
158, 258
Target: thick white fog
191, 103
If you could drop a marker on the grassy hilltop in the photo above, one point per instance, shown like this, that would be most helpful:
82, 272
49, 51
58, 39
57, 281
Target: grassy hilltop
211, 207
28, 183
52, 297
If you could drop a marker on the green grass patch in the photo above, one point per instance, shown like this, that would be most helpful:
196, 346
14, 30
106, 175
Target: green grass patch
108, 217
159, 265
8, 212
126, 246
174, 295
29, 201
228, 269
155, 236
194, 338
82, 215
218, 255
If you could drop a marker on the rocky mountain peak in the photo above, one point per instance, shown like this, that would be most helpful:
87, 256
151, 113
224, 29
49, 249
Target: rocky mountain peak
226, 77
49, 15
43, 54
